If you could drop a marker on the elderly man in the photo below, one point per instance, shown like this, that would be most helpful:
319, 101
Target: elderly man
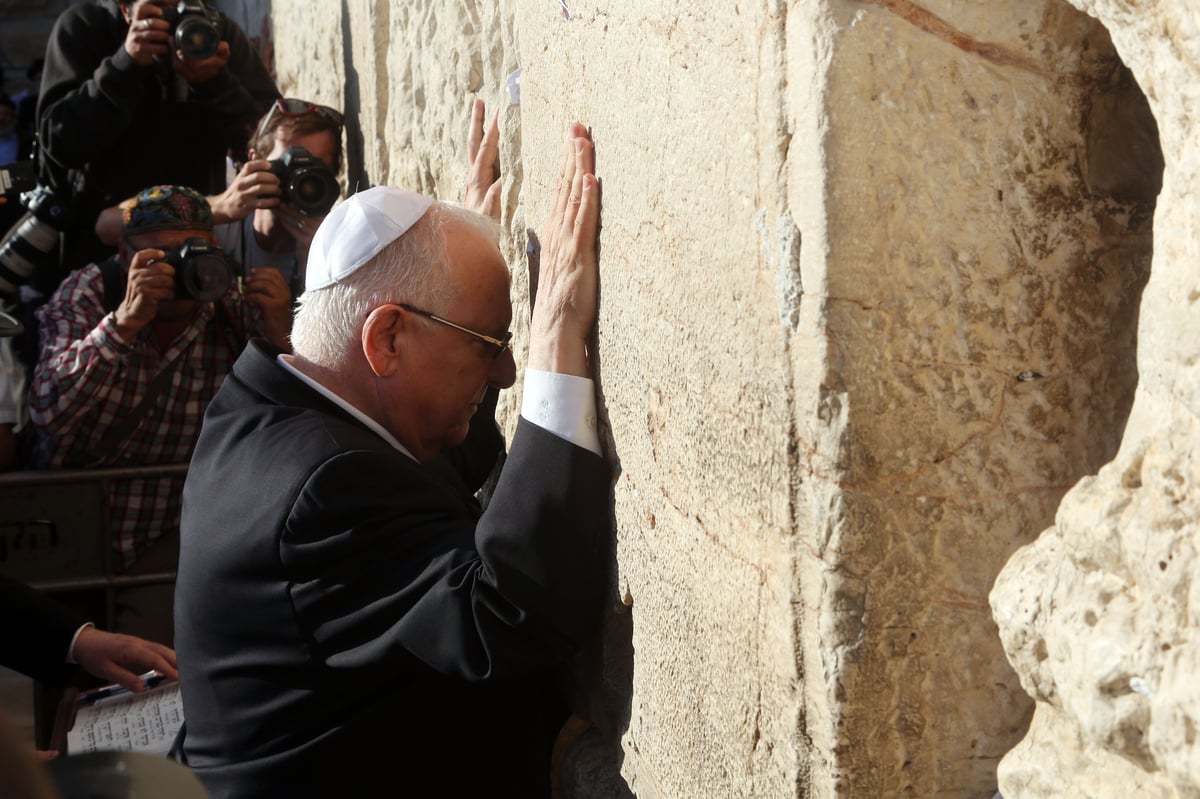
128, 362
349, 619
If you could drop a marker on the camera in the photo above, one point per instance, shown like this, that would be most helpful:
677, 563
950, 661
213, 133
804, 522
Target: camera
306, 181
33, 240
202, 272
194, 26
17, 178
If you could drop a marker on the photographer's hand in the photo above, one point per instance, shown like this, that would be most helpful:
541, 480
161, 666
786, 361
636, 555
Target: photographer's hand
150, 280
198, 72
267, 291
149, 35
255, 187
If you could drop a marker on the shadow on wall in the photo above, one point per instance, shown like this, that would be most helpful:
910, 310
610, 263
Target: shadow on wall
357, 178
588, 755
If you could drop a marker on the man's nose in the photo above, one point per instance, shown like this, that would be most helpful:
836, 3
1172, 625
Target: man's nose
503, 371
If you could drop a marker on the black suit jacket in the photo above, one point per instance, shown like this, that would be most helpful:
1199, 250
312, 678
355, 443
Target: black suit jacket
37, 634
346, 618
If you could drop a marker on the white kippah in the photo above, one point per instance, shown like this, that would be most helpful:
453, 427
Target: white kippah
358, 229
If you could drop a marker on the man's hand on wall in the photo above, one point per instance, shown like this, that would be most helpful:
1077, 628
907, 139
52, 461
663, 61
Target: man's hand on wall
564, 310
482, 192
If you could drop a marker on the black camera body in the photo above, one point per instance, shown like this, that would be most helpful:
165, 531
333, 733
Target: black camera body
306, 182
33, 240
17, 178
202, 271
194, 27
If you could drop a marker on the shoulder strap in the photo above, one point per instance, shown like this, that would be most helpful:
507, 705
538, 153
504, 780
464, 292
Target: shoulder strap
114, 283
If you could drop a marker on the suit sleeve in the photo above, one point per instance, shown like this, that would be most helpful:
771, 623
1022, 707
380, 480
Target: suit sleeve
39, 632
509, 595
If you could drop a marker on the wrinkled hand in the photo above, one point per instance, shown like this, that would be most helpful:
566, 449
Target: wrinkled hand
564, 310
482, 191
149, 35
255, 187
109, 656
267, 291
150, 281
198, 72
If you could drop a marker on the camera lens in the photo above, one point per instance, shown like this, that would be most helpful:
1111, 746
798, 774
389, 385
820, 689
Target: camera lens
197, 38
313, 191
205, 277
30, 242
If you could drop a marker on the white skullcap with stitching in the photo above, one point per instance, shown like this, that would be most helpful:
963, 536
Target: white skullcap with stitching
355, 232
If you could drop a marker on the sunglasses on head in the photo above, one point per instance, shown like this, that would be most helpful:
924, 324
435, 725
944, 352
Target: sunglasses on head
291, 107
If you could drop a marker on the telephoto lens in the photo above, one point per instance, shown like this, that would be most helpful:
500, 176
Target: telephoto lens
32, 241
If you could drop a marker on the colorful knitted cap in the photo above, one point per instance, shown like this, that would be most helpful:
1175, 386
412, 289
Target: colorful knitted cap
166, 208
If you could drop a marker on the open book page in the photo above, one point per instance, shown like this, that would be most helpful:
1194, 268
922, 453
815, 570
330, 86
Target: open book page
145, 722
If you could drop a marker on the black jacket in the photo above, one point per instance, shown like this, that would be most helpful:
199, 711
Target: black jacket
346, 618
108, 127
38, 632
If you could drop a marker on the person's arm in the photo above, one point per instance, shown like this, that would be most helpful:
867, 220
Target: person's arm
121, 658
82, 348
38, 632
241, 91
92, 86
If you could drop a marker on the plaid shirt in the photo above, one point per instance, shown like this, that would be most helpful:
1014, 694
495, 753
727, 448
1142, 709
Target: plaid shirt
88, 378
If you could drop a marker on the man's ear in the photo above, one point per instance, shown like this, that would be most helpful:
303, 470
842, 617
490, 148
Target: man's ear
381, 335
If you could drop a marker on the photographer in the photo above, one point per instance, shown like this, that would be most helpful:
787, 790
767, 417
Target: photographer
123, 106
258, 217
127, 366
276, 207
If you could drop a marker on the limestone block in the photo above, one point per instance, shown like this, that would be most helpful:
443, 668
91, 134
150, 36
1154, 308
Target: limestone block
1098, 613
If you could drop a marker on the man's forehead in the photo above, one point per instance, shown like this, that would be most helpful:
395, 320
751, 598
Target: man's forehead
165, 239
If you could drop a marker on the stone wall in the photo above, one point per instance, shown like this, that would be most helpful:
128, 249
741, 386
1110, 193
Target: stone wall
1098, 614
870, 307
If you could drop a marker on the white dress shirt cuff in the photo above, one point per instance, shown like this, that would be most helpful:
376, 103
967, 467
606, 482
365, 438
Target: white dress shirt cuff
565, 405
71, 649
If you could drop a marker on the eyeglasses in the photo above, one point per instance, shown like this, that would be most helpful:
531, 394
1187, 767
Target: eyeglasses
291, 107
501, 344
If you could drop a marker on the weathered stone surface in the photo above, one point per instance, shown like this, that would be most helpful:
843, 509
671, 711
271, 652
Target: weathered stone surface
1098, 614
871, 280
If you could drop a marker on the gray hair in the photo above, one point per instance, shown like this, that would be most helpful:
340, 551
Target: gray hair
328, 324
